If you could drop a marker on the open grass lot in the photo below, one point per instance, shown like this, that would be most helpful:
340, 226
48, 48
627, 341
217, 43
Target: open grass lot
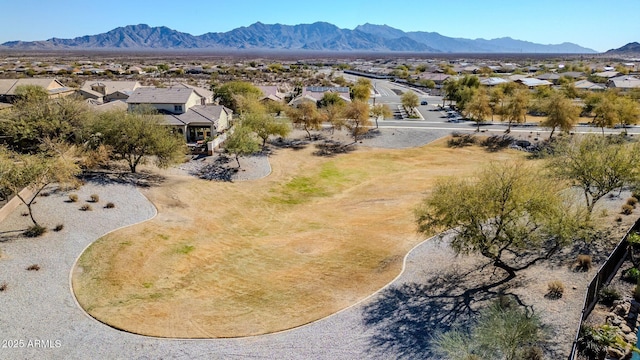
246, 258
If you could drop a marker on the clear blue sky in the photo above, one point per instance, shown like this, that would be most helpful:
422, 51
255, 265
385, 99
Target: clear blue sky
597, 24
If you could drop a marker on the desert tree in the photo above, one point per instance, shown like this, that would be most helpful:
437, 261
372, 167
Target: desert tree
35, 117
356, 115
509, 214
305, 116
241, 142
137, 137
501, 331
478, 108
380, 111
265, 125
628, 111
516, 109
561, 113
605, 110
331, 98
228, 93
597, 165
410, 101
35, 172
361, 90
334, 115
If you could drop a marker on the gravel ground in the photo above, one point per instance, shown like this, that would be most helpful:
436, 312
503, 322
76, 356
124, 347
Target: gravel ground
38, 307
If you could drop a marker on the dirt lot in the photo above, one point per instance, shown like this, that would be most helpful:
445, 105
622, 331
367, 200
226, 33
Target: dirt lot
226, 259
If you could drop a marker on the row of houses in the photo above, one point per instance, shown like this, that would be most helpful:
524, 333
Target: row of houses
188, 109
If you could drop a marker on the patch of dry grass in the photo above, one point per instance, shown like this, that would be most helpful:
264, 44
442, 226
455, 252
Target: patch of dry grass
237, 259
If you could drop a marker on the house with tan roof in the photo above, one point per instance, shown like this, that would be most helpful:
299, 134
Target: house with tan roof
54, 87
184, 109
624, 83
316, 93
107, 90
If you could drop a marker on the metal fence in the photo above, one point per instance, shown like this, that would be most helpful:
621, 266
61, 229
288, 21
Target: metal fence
604, 275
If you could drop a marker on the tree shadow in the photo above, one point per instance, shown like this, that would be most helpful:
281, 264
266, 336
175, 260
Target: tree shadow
141, 179
11, 235
330, 148
403, 319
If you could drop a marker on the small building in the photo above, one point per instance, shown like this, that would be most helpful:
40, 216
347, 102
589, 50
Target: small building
54, 87
533, 82
624, 83
316, 93
588, 85
106, 90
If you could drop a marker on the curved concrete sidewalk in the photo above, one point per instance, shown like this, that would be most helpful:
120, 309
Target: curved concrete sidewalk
39, 311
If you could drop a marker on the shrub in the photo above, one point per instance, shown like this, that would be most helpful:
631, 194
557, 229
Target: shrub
584, 262
632, 201
636, 292
555, 289
86, 207
532, 353
110, 205
626, 209
3, 286
35, 231
497, 142
608, 295
619, 219
34, 267
461, 140
631, 275
58, 227
73, 197
24, 214
94, 198
593, 342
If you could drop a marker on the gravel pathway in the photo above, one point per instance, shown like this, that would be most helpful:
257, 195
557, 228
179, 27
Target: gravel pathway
40, 313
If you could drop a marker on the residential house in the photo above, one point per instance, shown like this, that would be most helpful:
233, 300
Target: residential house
493, 81
588, 85
54, 87
316, 93
185, 109
533, 82
624, 83
107, 91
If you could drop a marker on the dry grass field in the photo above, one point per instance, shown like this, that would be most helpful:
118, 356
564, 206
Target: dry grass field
245, 258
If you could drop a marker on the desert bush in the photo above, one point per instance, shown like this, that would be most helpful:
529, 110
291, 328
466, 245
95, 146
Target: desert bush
636, 292
86, 207
110, 205
532, 353
24, 214
58, 227
94, 198
497, 142
555, 289
44, 194
593, 342
608, 295
34, 267
632, 201
619, 219
626, 209
73, 197
35, 231
3, 286
584, 262
631, 275
461, 140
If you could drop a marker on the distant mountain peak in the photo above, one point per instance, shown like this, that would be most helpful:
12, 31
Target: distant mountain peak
320, 36
630, 48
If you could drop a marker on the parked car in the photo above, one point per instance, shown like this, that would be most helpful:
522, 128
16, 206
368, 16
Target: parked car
424, 102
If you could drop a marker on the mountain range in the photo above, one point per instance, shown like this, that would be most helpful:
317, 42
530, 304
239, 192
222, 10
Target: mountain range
630, 48
319, 36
